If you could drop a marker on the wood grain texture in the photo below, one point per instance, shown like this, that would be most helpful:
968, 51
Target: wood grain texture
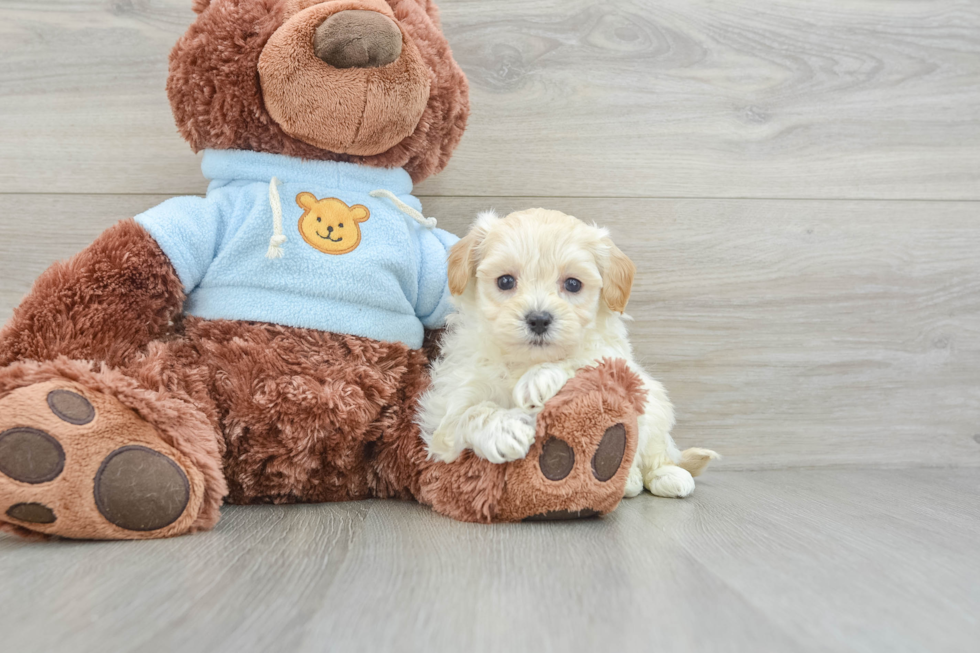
752, 98
810, 560
788, 333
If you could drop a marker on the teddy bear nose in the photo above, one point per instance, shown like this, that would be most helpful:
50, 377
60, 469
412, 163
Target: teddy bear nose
355, 38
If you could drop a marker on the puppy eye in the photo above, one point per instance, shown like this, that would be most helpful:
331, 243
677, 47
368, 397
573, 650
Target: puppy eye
573, 285
319, 220
341, 225
506, 282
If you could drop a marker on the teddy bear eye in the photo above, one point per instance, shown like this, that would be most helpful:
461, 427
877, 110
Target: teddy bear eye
506, 282
341, 225
573, 285
319, 220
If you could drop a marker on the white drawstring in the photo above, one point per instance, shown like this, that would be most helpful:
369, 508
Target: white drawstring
278, 239
428, 223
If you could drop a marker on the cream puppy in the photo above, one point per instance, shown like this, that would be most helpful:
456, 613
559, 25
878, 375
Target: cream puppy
539, 295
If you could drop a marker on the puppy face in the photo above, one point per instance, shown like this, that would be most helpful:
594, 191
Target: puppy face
538, 280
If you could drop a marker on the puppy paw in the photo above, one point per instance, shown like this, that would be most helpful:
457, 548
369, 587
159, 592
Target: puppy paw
507, 437
634, 482
670, 481
538, 385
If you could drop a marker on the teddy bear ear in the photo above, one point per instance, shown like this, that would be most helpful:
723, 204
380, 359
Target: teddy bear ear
200, 5
306, 200
360, 213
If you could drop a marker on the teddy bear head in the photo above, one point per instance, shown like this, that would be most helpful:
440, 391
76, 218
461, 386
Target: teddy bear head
329, 225
362, 81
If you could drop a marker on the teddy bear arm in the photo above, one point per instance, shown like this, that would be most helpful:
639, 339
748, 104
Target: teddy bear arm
105, 303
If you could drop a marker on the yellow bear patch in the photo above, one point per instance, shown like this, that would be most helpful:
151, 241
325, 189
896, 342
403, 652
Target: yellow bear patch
329, 225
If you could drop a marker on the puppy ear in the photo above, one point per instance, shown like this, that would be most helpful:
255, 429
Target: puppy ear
617, 279
464, 258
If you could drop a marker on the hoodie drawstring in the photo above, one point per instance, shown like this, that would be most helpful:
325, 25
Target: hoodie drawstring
428, 223
278, 239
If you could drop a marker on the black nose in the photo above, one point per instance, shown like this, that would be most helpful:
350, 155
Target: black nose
329, 230
356, 38
539, 322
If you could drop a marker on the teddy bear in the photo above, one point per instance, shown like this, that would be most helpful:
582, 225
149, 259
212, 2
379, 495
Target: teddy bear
269, 342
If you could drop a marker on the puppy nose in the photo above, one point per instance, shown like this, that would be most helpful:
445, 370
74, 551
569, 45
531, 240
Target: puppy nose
355, 38
539, 322
329, 229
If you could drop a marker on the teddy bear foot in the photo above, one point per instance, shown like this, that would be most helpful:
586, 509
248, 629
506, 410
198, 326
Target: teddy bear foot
579, 463
557, 462
577, 467
77, 463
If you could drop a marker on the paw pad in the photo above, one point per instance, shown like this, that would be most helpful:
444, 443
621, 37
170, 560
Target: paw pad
71, 407
30, 455
32, 513
557, 459
140, 489
610, 452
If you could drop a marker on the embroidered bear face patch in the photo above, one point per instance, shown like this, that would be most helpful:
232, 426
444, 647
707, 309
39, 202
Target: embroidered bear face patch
329, 225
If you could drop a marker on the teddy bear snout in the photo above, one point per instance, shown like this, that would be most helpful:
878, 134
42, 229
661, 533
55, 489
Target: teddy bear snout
358, 39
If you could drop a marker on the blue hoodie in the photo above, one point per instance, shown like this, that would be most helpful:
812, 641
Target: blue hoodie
349, 262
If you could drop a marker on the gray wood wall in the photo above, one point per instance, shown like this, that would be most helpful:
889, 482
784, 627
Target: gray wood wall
798, 182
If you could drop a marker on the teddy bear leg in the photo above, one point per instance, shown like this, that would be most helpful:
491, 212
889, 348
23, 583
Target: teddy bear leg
90, 454
577, 467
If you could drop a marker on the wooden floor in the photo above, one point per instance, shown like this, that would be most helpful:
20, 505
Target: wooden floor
799, 185
803, 560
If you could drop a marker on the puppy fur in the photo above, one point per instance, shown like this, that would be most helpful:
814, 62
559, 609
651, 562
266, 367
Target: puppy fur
496, 372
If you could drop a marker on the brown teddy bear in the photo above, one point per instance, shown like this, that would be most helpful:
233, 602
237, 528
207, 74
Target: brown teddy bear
209, 350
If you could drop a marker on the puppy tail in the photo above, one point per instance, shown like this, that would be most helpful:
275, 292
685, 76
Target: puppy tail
696, 459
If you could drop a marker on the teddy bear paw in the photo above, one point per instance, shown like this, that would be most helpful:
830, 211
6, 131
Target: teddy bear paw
77, 463
580, 463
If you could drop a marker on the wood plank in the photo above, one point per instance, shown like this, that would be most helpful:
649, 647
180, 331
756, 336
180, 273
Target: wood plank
788, 333
806, 560
760, 98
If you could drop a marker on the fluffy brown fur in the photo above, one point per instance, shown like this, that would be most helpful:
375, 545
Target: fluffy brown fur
105, 303
305, 414
217, 98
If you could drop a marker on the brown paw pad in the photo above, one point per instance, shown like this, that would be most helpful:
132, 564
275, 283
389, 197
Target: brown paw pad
71, 407
610, 452
557, 459
140, 489
32, 513
30, 455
